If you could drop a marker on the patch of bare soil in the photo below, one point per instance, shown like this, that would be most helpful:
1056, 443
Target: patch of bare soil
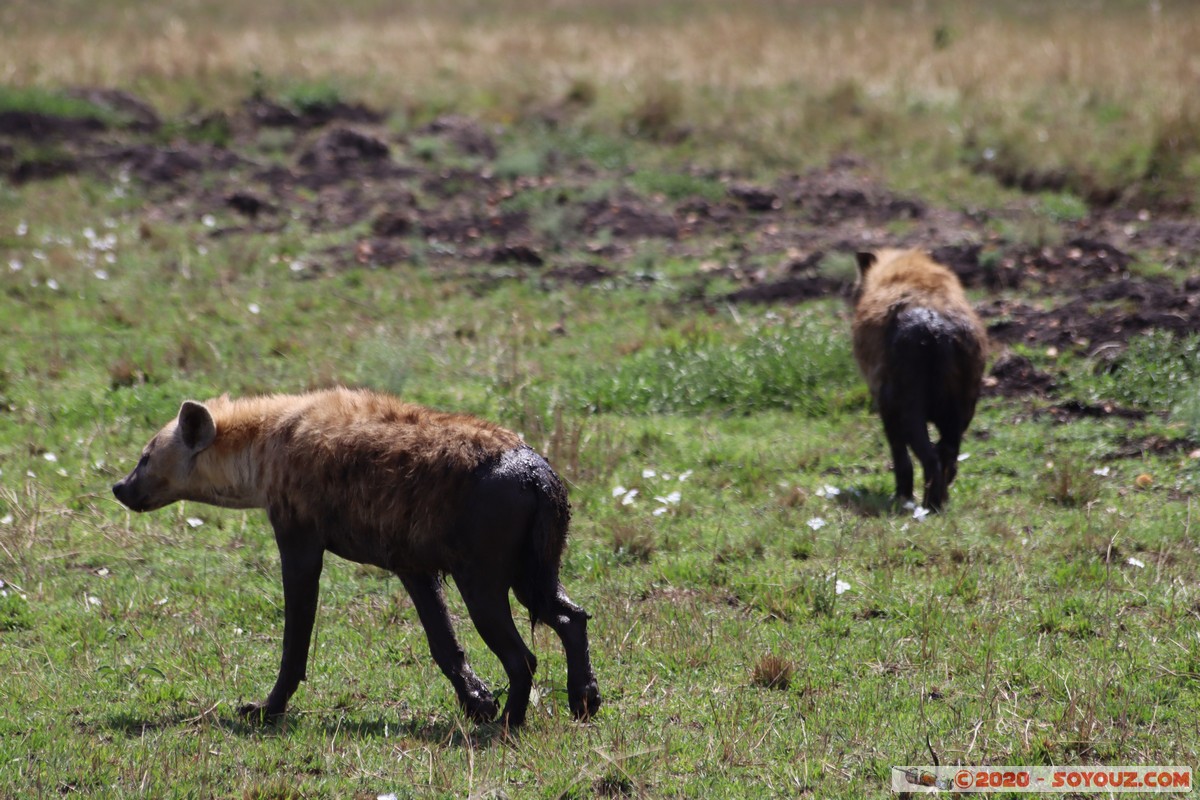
334, 166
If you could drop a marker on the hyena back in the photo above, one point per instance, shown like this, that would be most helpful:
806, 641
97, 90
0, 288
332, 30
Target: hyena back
922, 349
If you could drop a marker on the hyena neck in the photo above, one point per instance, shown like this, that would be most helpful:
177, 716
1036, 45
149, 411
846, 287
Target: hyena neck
231, 475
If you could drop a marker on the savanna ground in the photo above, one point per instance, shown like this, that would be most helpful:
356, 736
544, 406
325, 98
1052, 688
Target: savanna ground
626, 230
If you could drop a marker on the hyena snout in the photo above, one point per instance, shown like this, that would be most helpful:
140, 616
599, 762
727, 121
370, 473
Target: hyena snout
128, 496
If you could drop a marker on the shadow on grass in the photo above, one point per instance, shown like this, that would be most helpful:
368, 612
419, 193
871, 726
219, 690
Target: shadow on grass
448, 732
137, 725
443, 732
866, 501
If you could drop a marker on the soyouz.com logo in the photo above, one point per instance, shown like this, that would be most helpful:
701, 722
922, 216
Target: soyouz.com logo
935, 779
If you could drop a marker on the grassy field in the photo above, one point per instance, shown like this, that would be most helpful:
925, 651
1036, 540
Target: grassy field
765, 622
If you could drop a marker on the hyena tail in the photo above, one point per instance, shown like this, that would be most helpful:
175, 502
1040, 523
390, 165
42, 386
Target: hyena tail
922, 357
545, 542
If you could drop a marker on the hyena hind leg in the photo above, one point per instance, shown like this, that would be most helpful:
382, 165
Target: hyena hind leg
569, 622
902, 466
487, 603
473, 694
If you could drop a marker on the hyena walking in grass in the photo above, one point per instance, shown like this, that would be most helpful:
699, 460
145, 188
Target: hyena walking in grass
921, 348
374, 480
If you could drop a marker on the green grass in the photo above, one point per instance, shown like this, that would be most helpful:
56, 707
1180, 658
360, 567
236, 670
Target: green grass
33, 100
1014, 629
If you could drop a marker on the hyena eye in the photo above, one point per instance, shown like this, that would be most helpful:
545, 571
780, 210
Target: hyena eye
145, 459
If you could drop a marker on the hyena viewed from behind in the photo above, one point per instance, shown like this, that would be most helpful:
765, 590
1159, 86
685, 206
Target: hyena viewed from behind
921, 348
418, 492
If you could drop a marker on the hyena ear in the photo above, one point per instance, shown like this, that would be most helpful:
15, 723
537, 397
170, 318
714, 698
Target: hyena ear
865, 262
196, 426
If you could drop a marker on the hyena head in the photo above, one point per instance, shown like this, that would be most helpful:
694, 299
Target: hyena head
167, 470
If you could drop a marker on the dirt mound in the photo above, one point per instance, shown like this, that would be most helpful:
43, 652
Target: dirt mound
343, 148
1014, 375
34, 125
832, 195
629, 219
326, 165
790, 290
467, 135
157, 165
263, 112
1136, 306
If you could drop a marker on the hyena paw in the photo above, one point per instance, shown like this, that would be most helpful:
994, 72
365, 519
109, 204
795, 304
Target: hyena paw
585, 702
480, 706
259, 713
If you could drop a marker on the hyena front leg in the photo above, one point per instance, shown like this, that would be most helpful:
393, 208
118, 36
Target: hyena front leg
301, 563
473, 694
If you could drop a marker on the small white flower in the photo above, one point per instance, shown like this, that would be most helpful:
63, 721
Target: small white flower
1135, 562
29, 474
52, 284
841, 587
627, 500
816, 523
254, 309
296, 266
658, 512
963, 456
648, 473
672, 499
920, 513
828, 491
388, 796
22, 228
161, 602
619, 490
89, 234
39, 255
62, 472
194, 522
1102, 471
7, 519
683, 476
101, 275
92, 600
666, 476
209, 220
50, 457
15, 265
110, 258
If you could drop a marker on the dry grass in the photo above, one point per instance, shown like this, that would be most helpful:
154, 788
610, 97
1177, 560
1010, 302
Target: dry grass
772, 672
938, 54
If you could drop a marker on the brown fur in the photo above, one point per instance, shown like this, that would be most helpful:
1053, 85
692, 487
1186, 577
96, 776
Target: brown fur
380, 481
903, 296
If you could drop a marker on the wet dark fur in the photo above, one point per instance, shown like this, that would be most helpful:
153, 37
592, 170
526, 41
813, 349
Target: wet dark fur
922, 349
421, 493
